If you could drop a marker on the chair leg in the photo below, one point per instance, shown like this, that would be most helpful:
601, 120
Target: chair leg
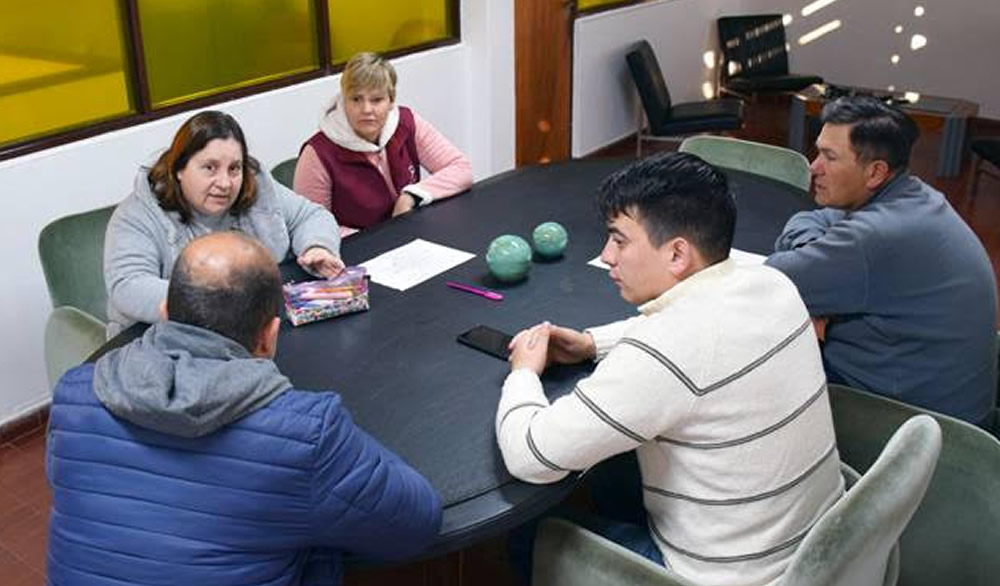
977, 162
638, 133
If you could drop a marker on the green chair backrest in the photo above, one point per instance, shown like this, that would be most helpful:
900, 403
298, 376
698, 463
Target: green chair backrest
771, 161
72, 254
953, 537
855, 539
284, 172
569, 555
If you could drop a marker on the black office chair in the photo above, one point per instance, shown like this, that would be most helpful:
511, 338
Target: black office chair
755, 59
986, 159
667, 120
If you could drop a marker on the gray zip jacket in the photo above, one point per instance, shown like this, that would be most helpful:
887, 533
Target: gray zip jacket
143, 241
911, 295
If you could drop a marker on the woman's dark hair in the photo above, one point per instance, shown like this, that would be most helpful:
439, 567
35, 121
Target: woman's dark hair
192, 136
879, 132
674, 194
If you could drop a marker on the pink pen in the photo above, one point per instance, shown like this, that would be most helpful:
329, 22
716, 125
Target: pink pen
491, 295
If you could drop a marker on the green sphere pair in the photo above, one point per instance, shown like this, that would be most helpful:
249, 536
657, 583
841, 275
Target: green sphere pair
509, 256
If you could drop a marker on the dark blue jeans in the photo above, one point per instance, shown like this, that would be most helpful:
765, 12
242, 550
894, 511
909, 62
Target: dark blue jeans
616, 492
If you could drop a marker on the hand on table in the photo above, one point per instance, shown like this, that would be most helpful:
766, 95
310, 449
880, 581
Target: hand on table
321, 262
819, 325
529, 348
569, 346
404, 203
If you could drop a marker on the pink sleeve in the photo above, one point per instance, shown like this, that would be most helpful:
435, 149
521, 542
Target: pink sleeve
313, 182
450, 170
311, 179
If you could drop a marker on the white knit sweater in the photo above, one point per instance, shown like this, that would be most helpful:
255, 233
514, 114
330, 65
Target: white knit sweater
719, 387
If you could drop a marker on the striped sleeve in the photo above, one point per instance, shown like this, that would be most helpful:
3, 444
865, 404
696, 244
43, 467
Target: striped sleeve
606, 336
607, 413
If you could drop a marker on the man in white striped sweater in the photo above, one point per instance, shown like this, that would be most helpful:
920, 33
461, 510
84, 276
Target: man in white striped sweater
717, 385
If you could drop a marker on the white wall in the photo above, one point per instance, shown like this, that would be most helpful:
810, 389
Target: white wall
959, 59
466, 90
604, 99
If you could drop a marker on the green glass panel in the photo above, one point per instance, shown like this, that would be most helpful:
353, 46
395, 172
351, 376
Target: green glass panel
386, 25
195, 48
62, 66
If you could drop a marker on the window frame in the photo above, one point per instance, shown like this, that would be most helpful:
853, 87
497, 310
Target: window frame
138, 84
605, 7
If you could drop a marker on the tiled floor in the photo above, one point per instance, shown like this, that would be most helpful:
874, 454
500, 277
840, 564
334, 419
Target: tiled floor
24, 510
25, 497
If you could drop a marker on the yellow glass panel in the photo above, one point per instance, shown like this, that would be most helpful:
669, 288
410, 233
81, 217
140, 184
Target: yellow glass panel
195, 48
588, 4
61, 66
386, 25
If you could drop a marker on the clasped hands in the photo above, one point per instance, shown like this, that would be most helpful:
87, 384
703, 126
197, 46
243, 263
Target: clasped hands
544, 344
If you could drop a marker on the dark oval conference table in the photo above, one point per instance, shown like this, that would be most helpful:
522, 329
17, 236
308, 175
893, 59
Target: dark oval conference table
412, 386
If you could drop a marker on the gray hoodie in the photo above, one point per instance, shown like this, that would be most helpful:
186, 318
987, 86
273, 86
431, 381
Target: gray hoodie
185, 381
143, 241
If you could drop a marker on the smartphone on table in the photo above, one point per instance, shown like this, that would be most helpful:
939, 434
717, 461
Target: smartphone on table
488, 340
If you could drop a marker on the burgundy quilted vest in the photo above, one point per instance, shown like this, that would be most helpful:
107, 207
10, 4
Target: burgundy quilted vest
360, 195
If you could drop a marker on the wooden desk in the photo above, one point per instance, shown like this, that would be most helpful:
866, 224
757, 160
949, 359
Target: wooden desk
940, 119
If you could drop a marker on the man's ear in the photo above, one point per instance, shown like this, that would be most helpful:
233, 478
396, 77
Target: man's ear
683, 258
877, 173
267, 340
678, 256
162, 310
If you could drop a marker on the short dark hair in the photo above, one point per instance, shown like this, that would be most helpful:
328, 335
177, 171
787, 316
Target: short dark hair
878, 131
674, 194
237, 302
190, 139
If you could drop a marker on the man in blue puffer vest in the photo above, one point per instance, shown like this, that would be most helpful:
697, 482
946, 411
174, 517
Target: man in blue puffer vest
186, 457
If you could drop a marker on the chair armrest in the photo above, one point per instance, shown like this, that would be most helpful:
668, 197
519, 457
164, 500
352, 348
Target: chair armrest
569, 555
70, 336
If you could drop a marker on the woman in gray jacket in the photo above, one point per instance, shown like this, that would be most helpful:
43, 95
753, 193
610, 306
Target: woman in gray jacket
205, 182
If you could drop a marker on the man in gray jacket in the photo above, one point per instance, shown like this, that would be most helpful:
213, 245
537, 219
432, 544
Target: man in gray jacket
902, 291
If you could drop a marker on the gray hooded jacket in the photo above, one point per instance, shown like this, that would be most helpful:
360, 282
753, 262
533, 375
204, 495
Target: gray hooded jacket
143, 241
185, 381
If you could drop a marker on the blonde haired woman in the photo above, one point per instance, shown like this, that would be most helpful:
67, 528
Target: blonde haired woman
364, 163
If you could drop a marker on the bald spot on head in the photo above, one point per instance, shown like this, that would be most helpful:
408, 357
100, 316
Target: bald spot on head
226, 282
217, 260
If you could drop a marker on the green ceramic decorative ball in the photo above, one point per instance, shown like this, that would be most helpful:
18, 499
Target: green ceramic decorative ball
509, 257
550, 239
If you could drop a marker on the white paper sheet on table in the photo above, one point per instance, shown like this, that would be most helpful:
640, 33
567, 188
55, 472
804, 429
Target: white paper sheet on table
597, 262
413, 263
741, 257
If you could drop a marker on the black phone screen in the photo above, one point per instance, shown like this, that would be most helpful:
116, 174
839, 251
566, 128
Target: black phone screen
488, 340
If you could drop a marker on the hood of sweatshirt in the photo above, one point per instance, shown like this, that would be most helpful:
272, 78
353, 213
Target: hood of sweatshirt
185, 381
333, 123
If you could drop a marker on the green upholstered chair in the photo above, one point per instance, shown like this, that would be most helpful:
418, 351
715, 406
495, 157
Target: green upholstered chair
284, 172
771, 161
852, 544
953, 537
72, 254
